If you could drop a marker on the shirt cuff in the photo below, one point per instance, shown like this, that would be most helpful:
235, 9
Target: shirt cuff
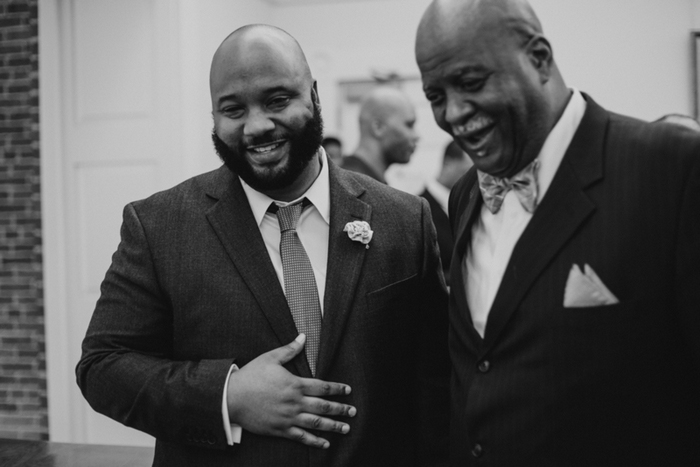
233, 431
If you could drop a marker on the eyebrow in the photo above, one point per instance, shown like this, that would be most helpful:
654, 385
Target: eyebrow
266, 92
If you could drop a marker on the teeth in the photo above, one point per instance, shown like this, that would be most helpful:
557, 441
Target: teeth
474, 125
264, 149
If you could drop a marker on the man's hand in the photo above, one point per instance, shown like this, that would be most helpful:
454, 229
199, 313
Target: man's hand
266, 399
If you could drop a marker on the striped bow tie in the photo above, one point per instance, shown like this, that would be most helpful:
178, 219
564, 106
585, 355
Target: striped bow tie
524, 184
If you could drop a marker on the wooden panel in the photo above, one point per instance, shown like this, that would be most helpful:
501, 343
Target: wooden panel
114, 58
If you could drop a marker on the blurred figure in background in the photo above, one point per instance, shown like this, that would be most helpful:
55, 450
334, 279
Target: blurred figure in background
333, 147
455, 163
679, 119
387, 136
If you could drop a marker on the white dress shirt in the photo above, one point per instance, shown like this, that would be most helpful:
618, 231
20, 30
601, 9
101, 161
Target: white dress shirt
494, 235
313, 231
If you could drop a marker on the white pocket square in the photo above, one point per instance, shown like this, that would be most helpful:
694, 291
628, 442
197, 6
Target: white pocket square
585, 289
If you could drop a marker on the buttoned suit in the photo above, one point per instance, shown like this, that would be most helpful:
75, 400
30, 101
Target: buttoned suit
192, 289
609, 385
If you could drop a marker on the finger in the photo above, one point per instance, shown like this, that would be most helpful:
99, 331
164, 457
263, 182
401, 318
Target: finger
287, 352
314, 422
304, 437
318, 406
316, 387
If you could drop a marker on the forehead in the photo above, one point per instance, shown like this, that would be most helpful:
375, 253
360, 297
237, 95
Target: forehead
256, 66
445, 47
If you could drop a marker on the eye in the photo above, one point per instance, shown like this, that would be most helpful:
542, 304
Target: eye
278, 102
472, 84
233, 111
434, 97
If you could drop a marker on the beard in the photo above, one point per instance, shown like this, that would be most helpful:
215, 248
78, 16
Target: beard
303, 145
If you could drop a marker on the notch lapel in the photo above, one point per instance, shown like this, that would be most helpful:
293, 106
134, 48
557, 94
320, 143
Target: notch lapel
564, 208
345, 260
234, 224
457, 273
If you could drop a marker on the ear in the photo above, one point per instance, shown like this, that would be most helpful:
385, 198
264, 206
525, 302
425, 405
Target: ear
314, 94
377, 127
541, 56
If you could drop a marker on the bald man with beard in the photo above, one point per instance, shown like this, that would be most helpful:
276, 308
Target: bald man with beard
277, 311
387, 134
575, 281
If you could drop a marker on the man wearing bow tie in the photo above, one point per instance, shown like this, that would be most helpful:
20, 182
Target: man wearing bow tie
277, 311
575, 302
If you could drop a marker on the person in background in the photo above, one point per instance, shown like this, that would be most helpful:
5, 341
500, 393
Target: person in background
277, 311
333, 147
387, 134
575, 297
455, 163
681, 120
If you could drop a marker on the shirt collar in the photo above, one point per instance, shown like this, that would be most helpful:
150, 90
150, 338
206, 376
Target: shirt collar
318, 193
558, 141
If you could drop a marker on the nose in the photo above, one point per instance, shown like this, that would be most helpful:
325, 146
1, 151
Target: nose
457, 109
257, 123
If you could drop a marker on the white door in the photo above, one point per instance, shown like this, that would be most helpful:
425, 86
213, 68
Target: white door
109, 136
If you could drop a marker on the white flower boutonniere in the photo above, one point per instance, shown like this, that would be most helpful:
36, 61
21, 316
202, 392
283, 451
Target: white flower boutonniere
359, 231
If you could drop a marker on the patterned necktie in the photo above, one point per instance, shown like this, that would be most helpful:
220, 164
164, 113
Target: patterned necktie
299, 283
524, 184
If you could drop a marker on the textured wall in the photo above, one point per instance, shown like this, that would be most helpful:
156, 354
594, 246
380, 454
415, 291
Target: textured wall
23, 412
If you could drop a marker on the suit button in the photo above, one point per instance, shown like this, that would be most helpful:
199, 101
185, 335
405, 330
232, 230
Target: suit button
477, 450
484, 366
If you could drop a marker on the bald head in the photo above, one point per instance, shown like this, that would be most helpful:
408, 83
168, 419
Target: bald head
387, 136
251, 48
380, 104
516, 18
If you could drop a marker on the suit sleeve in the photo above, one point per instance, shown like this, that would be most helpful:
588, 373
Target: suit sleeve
127, 370
434, 362
688, 262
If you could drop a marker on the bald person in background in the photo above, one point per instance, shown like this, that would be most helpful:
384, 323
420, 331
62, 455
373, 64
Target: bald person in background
387, 134
242, 324
575, 293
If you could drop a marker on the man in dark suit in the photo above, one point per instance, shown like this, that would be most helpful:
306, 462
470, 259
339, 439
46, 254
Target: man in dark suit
437, 192
196, 336
575, 297
387, 134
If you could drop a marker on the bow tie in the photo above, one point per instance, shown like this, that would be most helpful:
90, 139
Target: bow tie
524, 184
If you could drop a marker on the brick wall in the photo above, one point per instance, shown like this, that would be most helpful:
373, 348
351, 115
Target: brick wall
23, 409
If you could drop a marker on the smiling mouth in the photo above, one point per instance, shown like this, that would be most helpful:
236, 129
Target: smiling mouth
475, 135
265, 148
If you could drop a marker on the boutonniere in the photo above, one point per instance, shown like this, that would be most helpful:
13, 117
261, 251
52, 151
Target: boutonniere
359, 231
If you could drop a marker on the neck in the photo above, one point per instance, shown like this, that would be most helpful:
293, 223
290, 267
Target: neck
371, 155
301, 184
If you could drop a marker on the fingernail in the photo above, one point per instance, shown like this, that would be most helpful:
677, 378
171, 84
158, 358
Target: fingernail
352, 411
300, 338
326, 445
348, 390
345, 428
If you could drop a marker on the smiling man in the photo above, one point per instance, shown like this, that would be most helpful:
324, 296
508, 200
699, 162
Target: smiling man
575, 278
278, 310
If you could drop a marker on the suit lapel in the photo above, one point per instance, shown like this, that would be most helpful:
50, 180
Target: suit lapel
563, 209
345, 259
234, 224
462, 240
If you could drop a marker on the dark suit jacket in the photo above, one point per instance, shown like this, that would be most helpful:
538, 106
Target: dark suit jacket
612, 385
355, 164
444, 233
191, 289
